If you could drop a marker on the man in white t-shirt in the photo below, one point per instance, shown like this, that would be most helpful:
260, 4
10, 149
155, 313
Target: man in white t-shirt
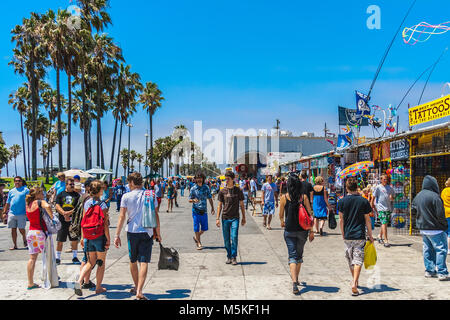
140, 240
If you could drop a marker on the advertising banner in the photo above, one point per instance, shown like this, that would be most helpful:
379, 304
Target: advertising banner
365, 154
429, 111
399, 150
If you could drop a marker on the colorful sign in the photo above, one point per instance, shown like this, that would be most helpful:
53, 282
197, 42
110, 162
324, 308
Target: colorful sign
429, 111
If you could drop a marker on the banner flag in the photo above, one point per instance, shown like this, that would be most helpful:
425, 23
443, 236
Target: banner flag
348, 117
362, 108
345, 140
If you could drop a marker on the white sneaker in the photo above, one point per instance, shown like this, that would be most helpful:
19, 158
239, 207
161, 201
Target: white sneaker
430, 275
442, 277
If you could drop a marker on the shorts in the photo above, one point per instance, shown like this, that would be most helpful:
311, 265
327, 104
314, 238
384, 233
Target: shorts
96, 245
200, 221
354, 252
17, 221
384, 216
139, 247
269, 208
36, 241
63, 233
295, 242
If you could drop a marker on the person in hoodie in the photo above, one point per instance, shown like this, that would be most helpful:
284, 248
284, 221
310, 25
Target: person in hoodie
433, 226
445, 195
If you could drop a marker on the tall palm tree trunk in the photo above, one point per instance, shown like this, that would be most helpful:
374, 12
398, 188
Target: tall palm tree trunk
58, 102
113, 146
7, 169
85, 125
118, 150
23, 148
98, 141
69, 121
90, 145
151, 143
47, 179
28, 155
15, 166
102, 159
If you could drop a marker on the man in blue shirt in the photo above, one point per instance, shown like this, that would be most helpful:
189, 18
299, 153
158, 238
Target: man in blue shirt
60, 185
270, 196
17, 216
198, 195
120, 191
158, 192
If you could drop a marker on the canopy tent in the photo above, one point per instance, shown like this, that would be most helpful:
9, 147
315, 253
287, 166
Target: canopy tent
98, 171
77, 172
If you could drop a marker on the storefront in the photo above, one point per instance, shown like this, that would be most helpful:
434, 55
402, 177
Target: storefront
429, 155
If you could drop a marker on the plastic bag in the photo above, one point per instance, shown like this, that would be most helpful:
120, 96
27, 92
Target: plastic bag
332, 224
148, 211
168, 259
370, 255
49, 270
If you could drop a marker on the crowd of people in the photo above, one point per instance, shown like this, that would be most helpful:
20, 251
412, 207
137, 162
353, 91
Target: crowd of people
83, 212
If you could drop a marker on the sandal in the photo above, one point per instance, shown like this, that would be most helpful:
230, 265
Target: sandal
34, 286
13, 248
269, 228
142, 298
355, 293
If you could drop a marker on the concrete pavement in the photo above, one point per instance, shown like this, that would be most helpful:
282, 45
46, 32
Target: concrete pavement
262, 273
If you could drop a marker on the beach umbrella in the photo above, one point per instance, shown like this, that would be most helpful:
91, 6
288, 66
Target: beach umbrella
356, 169
77, 172
98, 171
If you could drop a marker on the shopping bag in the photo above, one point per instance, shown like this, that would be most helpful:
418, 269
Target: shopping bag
168, 259
370, 255
148, 211
49, 270
332, 224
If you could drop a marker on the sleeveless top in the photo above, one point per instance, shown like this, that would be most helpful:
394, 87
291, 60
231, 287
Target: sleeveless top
319, 193
35, 219
291, 217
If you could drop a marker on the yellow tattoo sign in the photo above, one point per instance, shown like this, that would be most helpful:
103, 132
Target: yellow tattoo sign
429, 111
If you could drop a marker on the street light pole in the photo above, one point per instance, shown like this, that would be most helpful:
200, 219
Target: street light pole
129, 125
146, 149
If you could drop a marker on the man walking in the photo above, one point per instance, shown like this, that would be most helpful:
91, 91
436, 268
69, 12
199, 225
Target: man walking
15, 208
159, 193
253, 187
383, 195
65, 206
354, 218
269, 198
230, 198
307, 186
198, 195
433, 226
140, 239
120, 191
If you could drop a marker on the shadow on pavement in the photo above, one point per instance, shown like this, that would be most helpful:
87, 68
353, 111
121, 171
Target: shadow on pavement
213, 248
171, 294
378, 288
250, 263
308, 288
114, 292
402, 245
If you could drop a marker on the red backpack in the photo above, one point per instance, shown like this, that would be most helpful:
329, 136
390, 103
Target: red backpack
93, 222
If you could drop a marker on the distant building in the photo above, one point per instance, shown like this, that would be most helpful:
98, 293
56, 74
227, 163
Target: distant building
255, 152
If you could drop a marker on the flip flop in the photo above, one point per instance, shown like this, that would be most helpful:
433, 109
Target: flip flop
142, 298
355, 293
34, 286
13, 248
269, 228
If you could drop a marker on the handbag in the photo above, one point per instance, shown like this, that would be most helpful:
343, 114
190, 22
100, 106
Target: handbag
53, 225
169, 258
332, 224
148, 211
304, 219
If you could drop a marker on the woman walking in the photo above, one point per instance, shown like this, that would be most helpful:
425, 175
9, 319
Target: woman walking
320, 204
36, 236
95, 246
170, 195
294, 235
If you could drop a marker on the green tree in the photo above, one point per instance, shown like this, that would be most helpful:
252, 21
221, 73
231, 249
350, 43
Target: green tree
15, 150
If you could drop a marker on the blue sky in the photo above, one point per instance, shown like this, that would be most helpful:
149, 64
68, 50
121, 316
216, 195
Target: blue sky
242, 64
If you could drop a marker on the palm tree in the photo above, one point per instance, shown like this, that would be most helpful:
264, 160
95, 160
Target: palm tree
48, 97
30, 59
133, 156
139, 159
151, 99
128, 88
5, 157
124, 163
15, 151
20, 101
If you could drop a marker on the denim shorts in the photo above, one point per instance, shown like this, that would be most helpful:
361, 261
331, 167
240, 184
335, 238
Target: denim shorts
96, 245
448, 230
295, 242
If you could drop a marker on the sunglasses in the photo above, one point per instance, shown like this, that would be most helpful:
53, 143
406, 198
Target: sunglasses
71, 184
17, 181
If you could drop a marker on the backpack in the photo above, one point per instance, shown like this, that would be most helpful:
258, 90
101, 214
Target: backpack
93, 222
75, 225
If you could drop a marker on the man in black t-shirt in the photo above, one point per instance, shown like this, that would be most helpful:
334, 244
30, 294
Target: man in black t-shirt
230, 199
354, 218
65, 205
307, 187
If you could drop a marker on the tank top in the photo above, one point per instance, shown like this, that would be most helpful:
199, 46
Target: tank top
320, 193
291, 217
35, 220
